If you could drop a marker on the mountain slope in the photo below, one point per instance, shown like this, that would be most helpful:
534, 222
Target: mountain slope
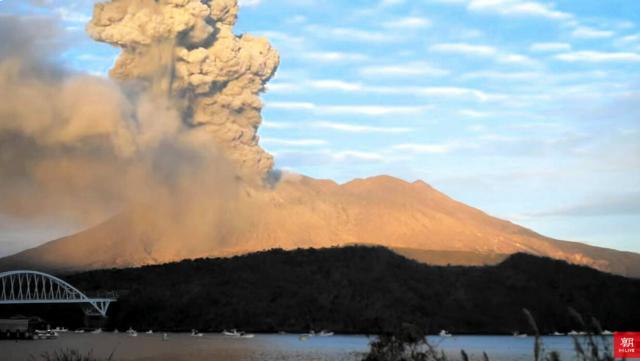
304, 212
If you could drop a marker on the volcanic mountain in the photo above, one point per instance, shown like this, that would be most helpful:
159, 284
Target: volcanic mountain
413, 219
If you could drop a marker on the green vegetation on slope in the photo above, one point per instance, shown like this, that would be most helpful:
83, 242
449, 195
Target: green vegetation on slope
361, 290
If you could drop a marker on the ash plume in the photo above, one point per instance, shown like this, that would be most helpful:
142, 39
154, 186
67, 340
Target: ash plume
185, 51
169, 140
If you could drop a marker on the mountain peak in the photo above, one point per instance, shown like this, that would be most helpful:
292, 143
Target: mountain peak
304, 212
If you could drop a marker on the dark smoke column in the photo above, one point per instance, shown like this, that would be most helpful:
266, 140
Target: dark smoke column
184, 53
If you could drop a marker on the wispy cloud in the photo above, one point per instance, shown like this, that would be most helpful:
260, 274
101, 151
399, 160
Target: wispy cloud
371, 110
502, 75
450, 92
425, 148
71, 15
341, 34
249, 3
473, 113
598, 56
336, 126
403, 70
409, 22
518, 8
356, 128
517, 59
476, 50
333, 56
293, 142
550, 47
586, 32
359, 155
465, 49
282, 38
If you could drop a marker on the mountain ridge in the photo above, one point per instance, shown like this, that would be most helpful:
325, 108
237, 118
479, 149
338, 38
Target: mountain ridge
305, 212
354, 289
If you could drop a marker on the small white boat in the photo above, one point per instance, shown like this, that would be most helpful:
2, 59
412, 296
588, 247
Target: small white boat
573, 333
303, 337
60, 329
150, 332
607, 332
45, 335
165, 337
79, 331
97, 330
444, 333
195, 333
246, 335
556, 333
131, 332
325, 333
232, 333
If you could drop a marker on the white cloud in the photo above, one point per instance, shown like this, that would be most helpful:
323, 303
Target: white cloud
249, 3
331, 84
333, 56
282, 38
282, 87
454, 92
425, 148
278, 125
598, 57
502, 76
408, 23
517, 8
516, 59
585, 32
354, 87
482, 51
351, 34
473, 113
354, 128
630, 38
391, 2
356, 154
349, 109
71, 15
550, 47
403, 70
293, 142
337, 126
373, 109
463, 48
291, 105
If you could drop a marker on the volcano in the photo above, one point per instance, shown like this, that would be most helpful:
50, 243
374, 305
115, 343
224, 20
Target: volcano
413, 219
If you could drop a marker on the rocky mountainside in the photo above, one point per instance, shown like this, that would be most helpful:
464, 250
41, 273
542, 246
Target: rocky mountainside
413, 218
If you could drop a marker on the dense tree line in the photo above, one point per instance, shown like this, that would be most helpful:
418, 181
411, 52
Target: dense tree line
359, 290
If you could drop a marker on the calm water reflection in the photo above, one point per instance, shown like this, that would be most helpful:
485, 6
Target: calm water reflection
183, 347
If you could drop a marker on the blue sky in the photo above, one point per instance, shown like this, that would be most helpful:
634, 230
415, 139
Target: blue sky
529, 110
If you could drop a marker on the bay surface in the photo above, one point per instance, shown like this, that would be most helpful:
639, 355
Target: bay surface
269, 347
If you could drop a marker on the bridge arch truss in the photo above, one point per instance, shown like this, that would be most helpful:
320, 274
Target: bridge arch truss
31, 287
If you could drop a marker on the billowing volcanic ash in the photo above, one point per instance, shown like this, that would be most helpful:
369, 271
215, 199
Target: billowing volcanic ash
170, 139
185, 50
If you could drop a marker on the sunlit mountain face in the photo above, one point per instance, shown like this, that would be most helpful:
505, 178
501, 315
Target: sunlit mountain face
148, 119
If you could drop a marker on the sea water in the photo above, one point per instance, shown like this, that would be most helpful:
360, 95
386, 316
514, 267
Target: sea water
268, 347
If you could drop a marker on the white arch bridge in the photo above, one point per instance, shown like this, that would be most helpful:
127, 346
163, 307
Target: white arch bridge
25, 287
